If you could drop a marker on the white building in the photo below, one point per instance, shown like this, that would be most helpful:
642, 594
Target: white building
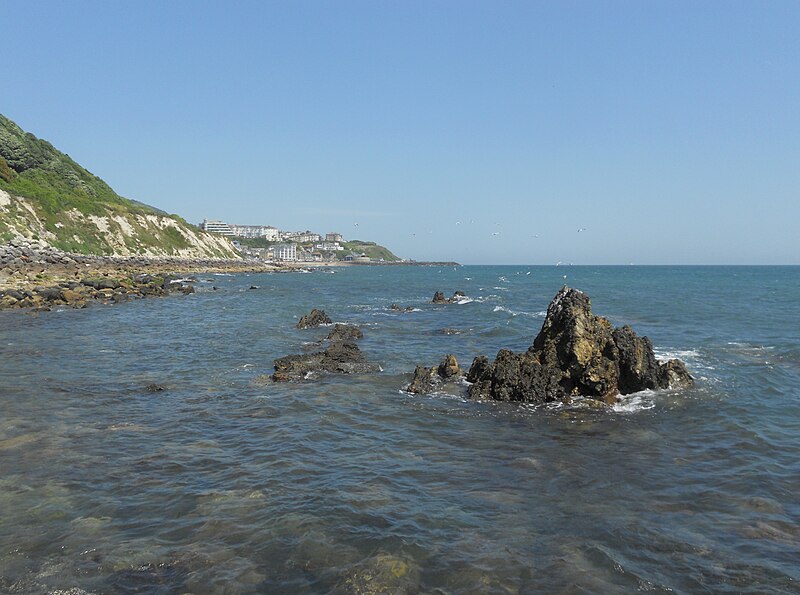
285, 252
213, 226
301, 236
329, 246
333, 237
267, 232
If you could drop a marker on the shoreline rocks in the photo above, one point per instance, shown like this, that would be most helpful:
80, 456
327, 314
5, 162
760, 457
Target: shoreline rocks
103, 289
36, 276
575, 354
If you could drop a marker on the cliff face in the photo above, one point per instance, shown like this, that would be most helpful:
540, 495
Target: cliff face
45, 195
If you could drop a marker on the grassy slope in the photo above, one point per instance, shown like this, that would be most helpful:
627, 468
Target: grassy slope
34, 169
371, 249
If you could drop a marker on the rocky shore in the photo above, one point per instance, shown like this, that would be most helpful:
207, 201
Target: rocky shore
37, 276
575, 355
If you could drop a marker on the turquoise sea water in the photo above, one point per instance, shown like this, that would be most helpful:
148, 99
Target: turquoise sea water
222, 484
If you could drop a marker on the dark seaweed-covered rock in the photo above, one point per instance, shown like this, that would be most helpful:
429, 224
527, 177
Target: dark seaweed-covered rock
344, 332
341, 357
438, 298
427, 380
396, 308
575, 354
314, 319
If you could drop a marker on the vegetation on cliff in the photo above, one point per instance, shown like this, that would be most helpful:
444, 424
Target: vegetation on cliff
46, 195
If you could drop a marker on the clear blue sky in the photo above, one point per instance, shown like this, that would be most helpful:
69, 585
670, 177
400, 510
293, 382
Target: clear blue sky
669, 130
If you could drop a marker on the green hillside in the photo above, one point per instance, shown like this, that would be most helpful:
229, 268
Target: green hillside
46, 195
371, 249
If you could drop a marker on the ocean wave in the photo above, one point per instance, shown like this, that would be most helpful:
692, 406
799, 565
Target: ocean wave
641, 401
540, 314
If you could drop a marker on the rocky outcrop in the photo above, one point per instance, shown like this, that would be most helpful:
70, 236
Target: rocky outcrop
575, 354
339, 358
314, 319
438, 298
344, 332
342, 356
427, 380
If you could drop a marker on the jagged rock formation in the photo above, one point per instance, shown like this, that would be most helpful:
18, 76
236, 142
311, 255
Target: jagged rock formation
314, 319
427, 380
575, 354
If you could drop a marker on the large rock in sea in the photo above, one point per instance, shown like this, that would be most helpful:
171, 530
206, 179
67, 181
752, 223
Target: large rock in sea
575, 354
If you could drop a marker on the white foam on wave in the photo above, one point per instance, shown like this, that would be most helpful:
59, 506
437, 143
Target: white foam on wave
539, 314
641, 401
464, 300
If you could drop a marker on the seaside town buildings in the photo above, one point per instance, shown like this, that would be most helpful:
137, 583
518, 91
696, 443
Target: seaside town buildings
290, 248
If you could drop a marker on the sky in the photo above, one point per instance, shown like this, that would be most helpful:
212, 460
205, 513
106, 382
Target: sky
481, 132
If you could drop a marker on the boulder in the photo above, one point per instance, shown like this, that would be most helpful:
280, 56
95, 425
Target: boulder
575, 354
427, 380
341, 357
314, 319
438, 298
345, 332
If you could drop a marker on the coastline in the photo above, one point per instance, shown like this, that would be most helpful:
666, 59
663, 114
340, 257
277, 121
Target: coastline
36, 276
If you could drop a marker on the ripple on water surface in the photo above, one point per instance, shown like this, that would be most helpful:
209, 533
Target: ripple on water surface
222, 484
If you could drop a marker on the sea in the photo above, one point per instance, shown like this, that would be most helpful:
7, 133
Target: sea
226, 483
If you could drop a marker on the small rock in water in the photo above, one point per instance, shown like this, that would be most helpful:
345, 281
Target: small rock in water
155, 388
438, 298
427, 380
345, 332
314, 319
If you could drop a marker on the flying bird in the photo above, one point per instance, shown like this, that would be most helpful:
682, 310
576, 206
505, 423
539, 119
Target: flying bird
581, 229
495, 233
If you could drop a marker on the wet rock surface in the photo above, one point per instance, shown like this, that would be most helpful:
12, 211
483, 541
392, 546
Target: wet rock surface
438, 298
398, 308
37, 276
342, 356
314, 319
427, 380
78, 294
344, 332
575, 354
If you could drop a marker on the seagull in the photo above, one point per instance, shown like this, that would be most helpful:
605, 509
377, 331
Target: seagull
458, 222
581, 229
495, 233
355, 224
